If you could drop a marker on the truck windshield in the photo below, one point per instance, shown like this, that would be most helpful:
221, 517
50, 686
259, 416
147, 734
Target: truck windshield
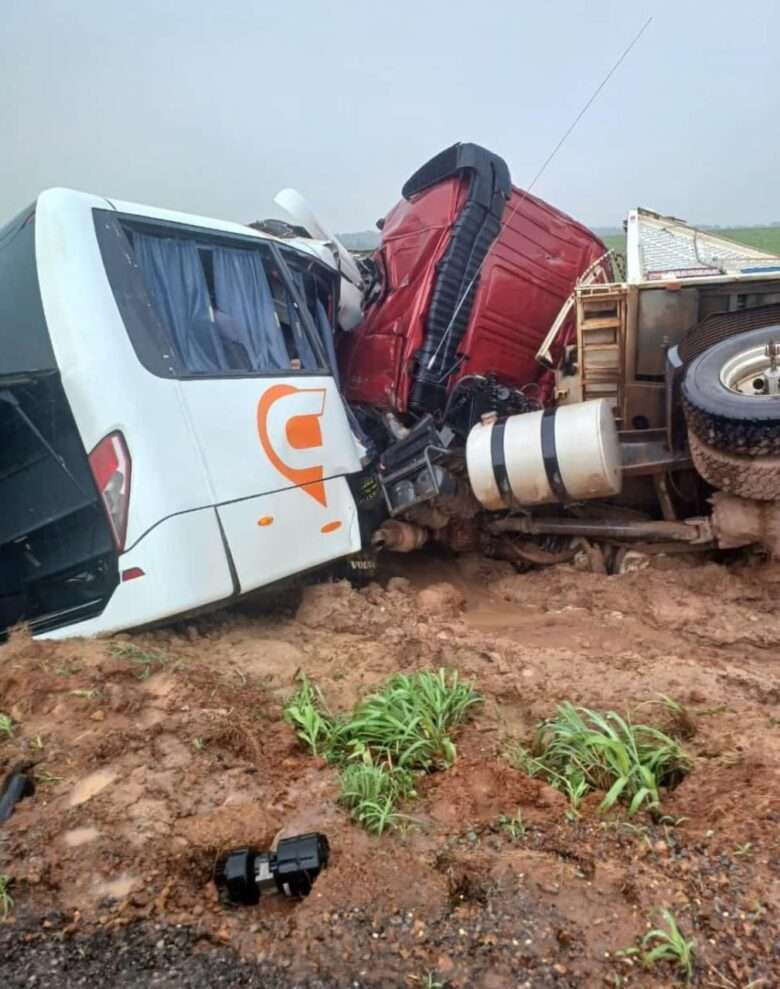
197, 304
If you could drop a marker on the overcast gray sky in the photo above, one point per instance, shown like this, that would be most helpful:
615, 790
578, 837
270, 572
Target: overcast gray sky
211, 107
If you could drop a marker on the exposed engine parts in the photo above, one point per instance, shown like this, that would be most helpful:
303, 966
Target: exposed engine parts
411, 471
423, 464
692, 531
400, 537
476, 395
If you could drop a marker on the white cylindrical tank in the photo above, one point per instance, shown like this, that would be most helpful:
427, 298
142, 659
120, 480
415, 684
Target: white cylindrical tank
570, 453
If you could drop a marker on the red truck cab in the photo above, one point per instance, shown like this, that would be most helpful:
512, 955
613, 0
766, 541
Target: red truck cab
471, 273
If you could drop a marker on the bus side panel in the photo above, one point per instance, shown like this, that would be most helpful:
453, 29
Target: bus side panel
183, 567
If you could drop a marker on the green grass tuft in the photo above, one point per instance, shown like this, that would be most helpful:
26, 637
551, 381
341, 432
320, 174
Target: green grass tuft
6, 725
304, 712
407, 723
144, 660
580, 750
393, 733
373, 792
513, 827
6, 900
44, 778
670, 945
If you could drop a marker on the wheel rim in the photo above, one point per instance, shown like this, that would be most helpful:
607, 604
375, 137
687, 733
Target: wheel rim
754, 372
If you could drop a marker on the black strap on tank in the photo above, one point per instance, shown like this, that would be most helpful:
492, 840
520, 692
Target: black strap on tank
550, 456
498, 459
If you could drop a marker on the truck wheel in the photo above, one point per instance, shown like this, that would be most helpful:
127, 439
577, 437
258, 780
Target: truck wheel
731, 395
748, 477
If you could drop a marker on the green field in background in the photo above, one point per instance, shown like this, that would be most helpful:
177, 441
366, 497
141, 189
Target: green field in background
764, 238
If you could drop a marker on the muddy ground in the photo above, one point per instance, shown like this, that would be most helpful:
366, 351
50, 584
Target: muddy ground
156, 751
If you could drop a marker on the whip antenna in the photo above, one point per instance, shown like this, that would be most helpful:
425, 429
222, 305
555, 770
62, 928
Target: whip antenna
526, 192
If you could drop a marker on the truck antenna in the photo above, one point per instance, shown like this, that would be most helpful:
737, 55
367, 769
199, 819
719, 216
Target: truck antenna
527, 191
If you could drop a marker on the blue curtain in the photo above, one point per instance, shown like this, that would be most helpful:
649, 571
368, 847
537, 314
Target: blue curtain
243, 293
177, 287
325, 331
308, 359
244, 332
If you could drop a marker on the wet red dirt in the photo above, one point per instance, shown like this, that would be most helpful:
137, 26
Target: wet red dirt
156, 751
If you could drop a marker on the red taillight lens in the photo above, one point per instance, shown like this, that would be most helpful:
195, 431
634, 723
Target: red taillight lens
111, 466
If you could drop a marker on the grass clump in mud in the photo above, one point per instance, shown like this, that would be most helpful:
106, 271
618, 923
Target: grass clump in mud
373, 793
398, 731
6, 725
666, 944
669, 945
313, 726
144, 661
514, 827
580, 750
6, 900
680, 721
407, 723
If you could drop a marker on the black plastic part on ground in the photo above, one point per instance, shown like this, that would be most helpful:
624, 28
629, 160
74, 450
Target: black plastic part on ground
16, 786
245, 874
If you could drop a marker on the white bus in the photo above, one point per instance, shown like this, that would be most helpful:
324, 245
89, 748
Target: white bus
172, 434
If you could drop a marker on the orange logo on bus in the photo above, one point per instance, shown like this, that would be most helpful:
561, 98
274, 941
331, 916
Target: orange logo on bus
290, 417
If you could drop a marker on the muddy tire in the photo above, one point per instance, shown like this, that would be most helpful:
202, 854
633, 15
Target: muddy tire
748, 477
746, 424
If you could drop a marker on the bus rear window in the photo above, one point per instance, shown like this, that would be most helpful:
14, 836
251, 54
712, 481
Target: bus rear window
25, 347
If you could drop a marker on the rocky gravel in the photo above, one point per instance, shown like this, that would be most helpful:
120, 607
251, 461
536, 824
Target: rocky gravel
139, 956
